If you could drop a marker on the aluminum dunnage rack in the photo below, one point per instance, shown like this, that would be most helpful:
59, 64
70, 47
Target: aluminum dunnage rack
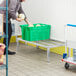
45, 43
6, 66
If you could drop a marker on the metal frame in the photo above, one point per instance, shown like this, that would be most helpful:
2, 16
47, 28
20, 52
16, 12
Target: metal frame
6, 8
43, 43
7, 38
69, 45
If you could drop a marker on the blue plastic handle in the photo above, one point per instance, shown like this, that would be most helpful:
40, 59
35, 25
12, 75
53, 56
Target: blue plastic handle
71, 25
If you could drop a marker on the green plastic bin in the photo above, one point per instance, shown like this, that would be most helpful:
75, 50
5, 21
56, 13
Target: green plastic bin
35, 33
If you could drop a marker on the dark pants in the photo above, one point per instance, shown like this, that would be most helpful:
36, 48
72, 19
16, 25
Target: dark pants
9, 33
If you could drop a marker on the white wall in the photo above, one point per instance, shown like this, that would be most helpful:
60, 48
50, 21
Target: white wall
54, 12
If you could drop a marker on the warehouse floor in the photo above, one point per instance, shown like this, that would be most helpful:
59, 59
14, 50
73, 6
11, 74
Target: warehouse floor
30, 61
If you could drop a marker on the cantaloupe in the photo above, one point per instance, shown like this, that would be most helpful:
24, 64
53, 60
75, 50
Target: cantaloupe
22, 16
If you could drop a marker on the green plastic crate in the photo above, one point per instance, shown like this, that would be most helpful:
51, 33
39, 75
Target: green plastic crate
35, 33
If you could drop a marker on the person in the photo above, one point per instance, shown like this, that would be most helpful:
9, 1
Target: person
14, 6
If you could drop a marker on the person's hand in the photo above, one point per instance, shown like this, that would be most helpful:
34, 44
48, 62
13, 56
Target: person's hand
30, 25
19, 19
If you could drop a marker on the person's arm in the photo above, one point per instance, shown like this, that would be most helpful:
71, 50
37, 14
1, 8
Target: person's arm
29, 23
11, 10
22, 12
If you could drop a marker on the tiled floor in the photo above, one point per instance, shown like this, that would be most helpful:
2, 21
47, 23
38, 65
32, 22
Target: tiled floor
30, 61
